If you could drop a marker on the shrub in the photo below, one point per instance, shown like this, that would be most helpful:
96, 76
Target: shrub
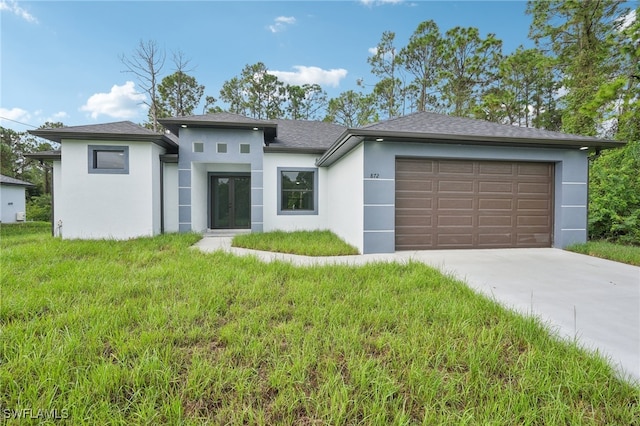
614, 195
39, 208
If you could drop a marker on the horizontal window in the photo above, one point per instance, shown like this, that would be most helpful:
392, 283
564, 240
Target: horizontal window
297, 191
108, 159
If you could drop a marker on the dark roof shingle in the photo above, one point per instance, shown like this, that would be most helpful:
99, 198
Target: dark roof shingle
440, 124
6, 180
109, 131
305, 135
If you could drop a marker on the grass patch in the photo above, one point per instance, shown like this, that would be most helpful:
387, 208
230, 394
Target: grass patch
149, 331
606, 250
24, 228
308, 243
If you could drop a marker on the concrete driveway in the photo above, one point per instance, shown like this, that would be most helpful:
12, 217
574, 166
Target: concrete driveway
594, 300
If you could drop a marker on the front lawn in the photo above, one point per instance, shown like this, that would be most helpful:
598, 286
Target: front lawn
606, 250
309, 243
150, 331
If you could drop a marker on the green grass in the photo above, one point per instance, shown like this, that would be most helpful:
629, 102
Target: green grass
24, 228
309, 243
606, 250
150, 331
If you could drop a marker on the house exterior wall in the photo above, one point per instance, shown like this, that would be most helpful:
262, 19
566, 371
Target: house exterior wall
118, 206
346, 182
12, 201
570, 185
195, 167
288, 222
170, 197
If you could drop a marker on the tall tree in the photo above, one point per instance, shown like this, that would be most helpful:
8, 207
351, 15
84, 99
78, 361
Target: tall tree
264, 92
304, 102
352, 109
233, 93
255, 93
385, 65
580, 34
525, 91
469, 67
180, 94
146, 63
421, 59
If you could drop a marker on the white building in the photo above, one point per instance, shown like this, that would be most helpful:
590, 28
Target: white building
12, 199
422, 181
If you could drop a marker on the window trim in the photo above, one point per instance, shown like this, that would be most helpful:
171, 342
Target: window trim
92, 149
315, 191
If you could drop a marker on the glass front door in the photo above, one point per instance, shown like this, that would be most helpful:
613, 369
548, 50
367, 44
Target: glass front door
230, 202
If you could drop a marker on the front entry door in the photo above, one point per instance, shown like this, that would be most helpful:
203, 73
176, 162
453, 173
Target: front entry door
230, 202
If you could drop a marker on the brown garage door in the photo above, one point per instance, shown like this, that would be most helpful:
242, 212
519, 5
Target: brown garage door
472, 204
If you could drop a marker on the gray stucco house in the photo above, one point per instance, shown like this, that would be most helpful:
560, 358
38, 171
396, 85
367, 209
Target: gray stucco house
421, 181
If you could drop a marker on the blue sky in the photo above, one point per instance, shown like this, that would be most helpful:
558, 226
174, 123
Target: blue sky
60, 60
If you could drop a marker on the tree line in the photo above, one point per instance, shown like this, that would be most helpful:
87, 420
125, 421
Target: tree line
582, 77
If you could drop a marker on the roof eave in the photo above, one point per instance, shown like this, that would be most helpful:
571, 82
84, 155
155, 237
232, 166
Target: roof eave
44, 156
175, 124
351, 137
293, 150
58, 136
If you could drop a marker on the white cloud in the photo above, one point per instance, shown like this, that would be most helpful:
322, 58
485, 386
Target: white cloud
311, 75
12, 6
280, 23
121, 102
15, 114
373, 51
58, 116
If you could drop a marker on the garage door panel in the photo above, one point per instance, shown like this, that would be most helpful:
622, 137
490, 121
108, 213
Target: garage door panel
534, 169
455, 186
457, 220
495, 239
417, 165
454, 240
495, 220
414, 185
455, 203
533, 188
534, 204
473, 204
533, 221
495, 204
404, 222
445, 167
533, 239
414, 203
488, 187
496, 168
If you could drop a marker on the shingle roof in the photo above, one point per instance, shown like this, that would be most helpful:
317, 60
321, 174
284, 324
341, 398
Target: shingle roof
304, 135
428, 127
439, 124
109, 131
6, 180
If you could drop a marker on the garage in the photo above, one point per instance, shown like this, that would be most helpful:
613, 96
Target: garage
461, 204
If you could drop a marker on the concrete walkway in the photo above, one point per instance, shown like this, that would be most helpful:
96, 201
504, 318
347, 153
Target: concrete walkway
593, 300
